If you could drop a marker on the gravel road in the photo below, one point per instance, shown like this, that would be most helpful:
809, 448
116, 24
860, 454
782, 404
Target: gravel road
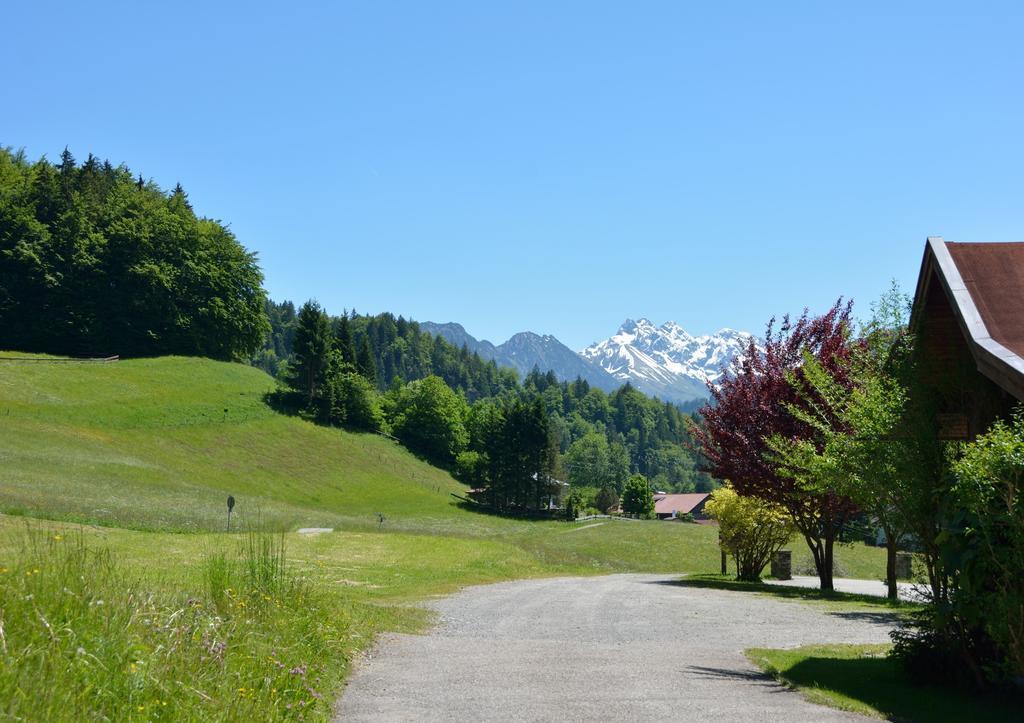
621, 647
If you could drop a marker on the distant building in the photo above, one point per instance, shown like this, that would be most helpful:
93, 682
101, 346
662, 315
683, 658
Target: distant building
668, 507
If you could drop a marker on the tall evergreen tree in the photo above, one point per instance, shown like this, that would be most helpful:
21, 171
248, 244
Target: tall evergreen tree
343, 340
313, 344
364, 361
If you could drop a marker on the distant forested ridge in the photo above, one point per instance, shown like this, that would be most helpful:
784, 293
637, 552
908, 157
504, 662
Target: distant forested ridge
94, 261
400, 350
597, 439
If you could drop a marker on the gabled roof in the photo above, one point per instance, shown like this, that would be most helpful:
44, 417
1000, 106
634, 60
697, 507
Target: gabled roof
984, 283
681, 504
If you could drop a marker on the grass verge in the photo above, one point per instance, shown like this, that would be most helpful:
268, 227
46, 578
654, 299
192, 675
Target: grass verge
861, 679
97, 623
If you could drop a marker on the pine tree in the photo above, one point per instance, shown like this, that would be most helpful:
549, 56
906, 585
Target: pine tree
343, 340
312, 349
365, 363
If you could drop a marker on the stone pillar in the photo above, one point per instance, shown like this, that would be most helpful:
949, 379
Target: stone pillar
782, 565
903, 560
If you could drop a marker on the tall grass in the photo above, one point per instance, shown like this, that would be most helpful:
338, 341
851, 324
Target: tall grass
80, 639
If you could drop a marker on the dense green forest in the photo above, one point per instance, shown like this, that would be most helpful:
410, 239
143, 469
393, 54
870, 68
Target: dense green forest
377, 372
94, 261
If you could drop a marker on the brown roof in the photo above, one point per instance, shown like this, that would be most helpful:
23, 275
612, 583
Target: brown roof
994, 275
681, 504
984, 283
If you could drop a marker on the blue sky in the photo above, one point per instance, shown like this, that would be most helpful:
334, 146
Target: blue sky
552, 166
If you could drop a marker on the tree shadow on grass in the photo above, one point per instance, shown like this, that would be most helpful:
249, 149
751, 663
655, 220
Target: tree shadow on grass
716, 582
883, 612
880, 683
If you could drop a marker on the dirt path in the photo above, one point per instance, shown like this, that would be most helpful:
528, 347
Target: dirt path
621, 647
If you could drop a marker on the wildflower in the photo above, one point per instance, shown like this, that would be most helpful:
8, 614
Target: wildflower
58, 538
133, 667
3, 570
142, 708
35, 571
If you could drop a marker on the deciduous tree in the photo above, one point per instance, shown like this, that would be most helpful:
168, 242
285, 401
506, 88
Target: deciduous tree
750, 529
637, 498
750, 406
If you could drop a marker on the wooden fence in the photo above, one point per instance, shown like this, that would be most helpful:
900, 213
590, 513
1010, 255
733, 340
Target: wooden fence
61, 360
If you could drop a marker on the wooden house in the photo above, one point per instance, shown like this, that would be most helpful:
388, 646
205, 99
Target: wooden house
968, 319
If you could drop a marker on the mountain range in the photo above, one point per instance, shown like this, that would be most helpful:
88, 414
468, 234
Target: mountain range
662, 361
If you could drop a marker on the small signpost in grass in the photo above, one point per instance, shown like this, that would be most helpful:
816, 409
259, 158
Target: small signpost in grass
231, 506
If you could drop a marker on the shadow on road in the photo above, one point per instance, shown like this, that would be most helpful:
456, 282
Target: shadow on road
750, 676
887, 611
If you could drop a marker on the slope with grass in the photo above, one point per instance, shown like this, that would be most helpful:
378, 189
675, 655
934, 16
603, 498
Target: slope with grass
158, 444
150, 611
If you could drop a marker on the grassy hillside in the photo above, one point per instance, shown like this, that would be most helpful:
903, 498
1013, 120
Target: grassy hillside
161, 615
160, 443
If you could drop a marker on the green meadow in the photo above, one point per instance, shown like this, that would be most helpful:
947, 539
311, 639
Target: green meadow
123, 595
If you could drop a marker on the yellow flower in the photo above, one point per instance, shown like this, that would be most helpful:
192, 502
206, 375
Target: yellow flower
133, 667
58, 538
142, 708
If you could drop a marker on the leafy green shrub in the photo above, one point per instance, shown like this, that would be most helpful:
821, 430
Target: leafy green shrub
574, 505
750, 529
353, 402
977, 637
637, 498
471, 467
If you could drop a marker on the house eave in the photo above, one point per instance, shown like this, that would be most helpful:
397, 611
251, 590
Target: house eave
995, 361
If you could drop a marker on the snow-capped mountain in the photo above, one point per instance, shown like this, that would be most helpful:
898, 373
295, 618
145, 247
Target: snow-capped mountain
665, 361
661, 361
526, 350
